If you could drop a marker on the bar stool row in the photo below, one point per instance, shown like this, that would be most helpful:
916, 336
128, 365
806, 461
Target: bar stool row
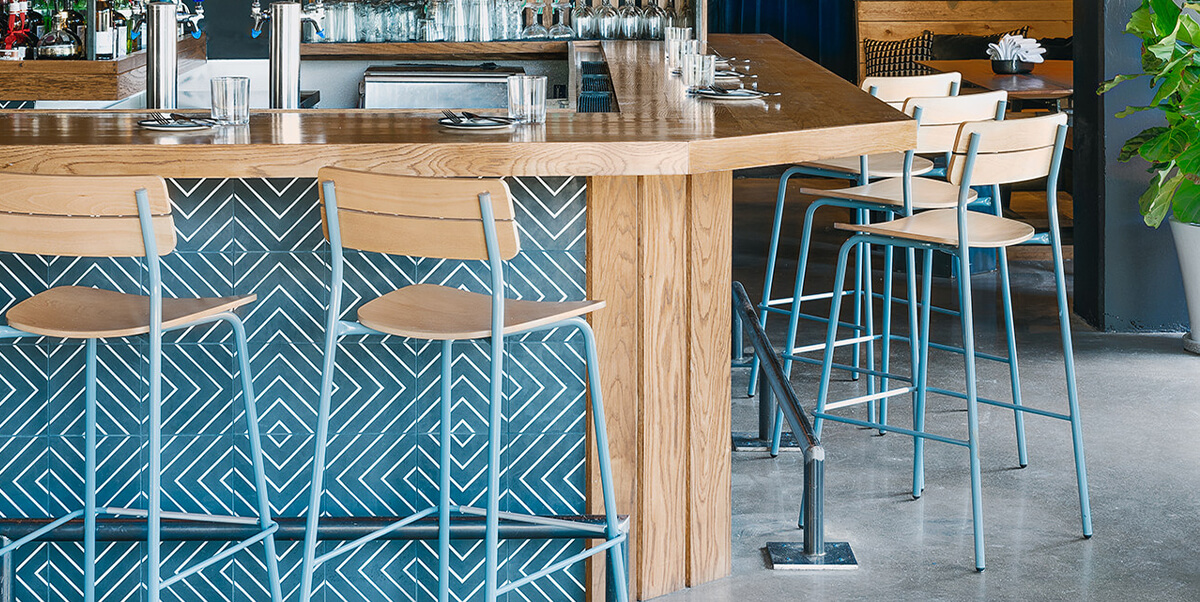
895, 209
464, 219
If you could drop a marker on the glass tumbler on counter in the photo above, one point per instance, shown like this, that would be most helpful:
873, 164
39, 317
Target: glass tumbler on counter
697, 70
527, 98
230, 100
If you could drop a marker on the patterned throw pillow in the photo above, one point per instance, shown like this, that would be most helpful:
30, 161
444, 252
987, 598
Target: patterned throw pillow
894, 58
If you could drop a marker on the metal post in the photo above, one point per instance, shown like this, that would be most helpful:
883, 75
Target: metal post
161, 58
814, 502
6, 574
285, 55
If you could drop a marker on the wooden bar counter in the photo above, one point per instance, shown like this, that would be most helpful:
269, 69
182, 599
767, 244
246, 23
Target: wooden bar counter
659, 214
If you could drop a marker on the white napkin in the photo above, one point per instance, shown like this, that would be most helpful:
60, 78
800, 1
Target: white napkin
1011, 47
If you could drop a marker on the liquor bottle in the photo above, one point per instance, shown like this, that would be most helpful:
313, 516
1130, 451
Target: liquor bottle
76, 22
120, 33
103, 31
16, 30
60, 43
37, 20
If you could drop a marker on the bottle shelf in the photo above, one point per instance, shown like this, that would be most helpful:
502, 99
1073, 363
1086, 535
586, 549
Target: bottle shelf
529, 49
88, 80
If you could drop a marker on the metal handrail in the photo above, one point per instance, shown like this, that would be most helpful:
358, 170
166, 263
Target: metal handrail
813, 517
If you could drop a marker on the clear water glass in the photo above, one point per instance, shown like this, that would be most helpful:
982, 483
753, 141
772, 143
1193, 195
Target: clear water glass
230, 100
584, 19
607, 24
535, 30
527, 98
697, 70
560, 30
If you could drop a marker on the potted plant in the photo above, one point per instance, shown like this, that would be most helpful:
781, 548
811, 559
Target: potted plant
1171, 60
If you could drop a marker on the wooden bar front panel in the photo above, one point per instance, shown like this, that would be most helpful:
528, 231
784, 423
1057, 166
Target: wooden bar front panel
659, 251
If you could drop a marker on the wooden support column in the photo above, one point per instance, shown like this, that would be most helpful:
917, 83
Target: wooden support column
659, 252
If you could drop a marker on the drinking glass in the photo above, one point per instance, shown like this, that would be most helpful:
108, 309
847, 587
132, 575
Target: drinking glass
629, 18
607, 25
678, 48
584, 19
535, 30
230, 100
654, 19
697, 70
527, 98
560, 30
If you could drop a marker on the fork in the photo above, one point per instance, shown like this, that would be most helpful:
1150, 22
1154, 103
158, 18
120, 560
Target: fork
495, 119
455, 119
161, 118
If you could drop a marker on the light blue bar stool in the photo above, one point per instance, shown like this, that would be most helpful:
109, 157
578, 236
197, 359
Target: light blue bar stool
987, 153
938, 118
98, 216
861, 170
465, 219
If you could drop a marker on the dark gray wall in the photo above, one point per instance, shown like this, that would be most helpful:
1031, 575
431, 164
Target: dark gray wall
227, 24
1127, 275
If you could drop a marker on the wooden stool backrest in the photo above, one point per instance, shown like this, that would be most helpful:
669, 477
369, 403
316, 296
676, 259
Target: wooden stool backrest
1014, 150
420, 217
82, 216
896, 90
942, 116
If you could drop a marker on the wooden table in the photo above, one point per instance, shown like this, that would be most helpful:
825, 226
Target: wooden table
659, 246
1050, 80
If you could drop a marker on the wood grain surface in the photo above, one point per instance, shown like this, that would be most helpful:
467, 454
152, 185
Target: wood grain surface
658, 131
1049, 80
88, 80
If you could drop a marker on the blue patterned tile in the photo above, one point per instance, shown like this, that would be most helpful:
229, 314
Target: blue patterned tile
471, 374
293, 293
31, 565
195, 473
23, 372
368, 276
380, 570
474, 276
278, 214
371, 475
197, 390
525, 557
21, 277
26, 462
123, 274
286, 378
250, 573
190, 275
203, 213
213, 584
373, 389
287, 464
468, 473
120, 473
551, 212
120, 391
545, 474
548, 389
547, 276
120, 568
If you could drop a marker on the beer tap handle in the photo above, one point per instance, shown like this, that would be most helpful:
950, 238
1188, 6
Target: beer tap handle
259, 17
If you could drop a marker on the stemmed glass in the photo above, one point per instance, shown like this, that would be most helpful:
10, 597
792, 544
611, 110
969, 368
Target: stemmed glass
630, 19
607, 24
560, 30
584, 19
654, 19
535, 30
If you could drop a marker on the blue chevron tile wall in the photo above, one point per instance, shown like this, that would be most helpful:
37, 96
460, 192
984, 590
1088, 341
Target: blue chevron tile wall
263, 236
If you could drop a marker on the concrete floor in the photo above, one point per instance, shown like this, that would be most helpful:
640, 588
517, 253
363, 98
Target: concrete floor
1141, 413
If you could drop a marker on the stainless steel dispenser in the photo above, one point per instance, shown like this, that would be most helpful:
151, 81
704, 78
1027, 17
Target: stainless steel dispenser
285, 55
162, 62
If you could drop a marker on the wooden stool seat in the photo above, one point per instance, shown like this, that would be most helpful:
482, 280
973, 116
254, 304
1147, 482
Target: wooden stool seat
941, 226
88, 313
884, 165
441, 313
926, 193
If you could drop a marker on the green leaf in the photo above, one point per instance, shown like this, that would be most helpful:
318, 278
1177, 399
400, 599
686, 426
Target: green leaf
1191, 31
1141, 23
1190, 103
1165, 146
1165, 48
1133, 144
1131, 110
1156, 201
1186, 202
1108, 85
1189, 160
1166, 15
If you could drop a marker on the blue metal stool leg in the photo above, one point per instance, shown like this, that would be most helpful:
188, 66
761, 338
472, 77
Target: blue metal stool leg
89, 486
616, 556
444, 475
322, 439
922, 373
1014, 374
831, 333
968, 339
885, 350
154, 513
256, 457
858, 308
772, 256
793, 316
866, 276
492, 532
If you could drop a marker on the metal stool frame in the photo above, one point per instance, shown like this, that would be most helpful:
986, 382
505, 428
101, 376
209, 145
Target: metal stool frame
336, 328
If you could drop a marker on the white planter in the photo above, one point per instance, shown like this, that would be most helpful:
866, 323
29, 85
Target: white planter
1187, 245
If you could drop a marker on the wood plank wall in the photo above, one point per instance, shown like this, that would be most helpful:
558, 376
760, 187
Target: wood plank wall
900, 19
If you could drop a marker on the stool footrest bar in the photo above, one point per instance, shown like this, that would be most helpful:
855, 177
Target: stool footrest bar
42, 531
891, 429
204, 518
562, 564
222, 555
534, 519
872, 397
351, 545
1002, 404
